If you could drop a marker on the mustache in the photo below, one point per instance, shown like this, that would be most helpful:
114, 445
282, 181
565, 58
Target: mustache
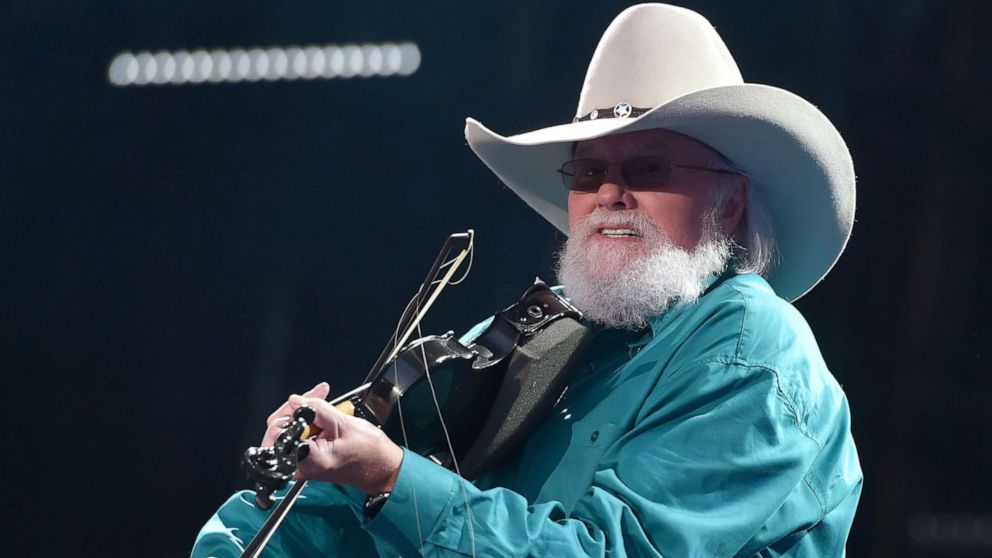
599, 218
644, 226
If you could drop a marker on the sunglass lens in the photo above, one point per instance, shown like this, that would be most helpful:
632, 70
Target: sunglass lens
583, 175
646, 173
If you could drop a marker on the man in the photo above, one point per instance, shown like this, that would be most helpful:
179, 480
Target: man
705, 422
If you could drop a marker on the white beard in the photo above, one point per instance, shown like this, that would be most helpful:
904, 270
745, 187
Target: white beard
621, 284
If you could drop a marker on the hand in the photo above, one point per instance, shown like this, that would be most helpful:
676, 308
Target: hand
278, 420
348, 450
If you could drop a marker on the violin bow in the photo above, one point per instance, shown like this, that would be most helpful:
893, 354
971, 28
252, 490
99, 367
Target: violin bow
412, 315
417, 308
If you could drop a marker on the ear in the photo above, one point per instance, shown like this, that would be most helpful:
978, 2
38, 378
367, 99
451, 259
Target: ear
733, 208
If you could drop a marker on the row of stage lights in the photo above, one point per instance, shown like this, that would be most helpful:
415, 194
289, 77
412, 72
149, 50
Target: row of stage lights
270, 64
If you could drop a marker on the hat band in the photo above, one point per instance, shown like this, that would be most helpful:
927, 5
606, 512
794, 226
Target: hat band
622, 109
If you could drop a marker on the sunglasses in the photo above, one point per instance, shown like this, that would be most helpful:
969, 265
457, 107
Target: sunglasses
639, 173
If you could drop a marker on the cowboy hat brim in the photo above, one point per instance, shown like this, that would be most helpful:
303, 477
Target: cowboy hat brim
798, 164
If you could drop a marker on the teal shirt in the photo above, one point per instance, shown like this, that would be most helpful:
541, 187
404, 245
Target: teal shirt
718, 432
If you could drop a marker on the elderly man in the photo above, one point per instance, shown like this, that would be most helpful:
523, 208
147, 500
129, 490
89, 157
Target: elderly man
704, 422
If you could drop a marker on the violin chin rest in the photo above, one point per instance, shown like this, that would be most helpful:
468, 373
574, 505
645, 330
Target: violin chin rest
535, 378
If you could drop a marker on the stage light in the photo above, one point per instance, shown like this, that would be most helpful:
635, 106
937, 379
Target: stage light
373, 60
146, 68
392, 59
278, 62
409, 59
315, 62
353, 60
186, 67
240, 65
165, 67
123, 70
202, 66
220, 61
271, 64
335, 61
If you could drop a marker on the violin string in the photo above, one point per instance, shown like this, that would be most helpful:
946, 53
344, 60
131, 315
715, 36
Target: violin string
464, 275
406, 441
451, 449
454, 460
468, 266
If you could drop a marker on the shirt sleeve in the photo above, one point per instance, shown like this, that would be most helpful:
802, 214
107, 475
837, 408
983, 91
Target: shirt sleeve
716, 452
323, 522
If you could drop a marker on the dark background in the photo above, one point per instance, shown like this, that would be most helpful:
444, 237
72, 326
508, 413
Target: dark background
179, 258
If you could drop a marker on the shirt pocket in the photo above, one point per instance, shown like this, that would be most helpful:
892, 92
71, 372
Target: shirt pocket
573, 475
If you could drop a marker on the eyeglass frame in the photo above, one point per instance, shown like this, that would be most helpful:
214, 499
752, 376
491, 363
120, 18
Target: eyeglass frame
566, 178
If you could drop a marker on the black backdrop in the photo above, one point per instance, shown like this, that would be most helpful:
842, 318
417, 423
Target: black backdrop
177, 259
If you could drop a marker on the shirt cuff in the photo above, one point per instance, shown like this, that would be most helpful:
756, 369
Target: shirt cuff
420, 499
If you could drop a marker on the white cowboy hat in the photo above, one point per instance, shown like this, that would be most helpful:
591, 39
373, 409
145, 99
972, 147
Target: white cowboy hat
660, 66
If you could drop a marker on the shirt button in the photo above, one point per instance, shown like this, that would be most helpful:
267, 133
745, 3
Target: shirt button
594, 435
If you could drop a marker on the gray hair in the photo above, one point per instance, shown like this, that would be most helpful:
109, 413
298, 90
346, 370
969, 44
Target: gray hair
754, 239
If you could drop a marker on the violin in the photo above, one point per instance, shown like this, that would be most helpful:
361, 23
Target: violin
465, 406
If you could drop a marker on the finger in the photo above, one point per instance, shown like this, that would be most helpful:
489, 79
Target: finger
286, 409
272, 431
276, 422
328, 417
361, 457
320, 391
321, 461
279, 419
302, 452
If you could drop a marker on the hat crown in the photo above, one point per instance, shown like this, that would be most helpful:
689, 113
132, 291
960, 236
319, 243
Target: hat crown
653, 53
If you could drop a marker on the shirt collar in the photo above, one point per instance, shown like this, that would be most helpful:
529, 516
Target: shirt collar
659, 322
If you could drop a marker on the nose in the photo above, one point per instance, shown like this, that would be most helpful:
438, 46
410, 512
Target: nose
613, 194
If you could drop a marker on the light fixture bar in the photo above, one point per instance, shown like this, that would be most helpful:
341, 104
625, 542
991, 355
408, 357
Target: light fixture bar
264, 64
